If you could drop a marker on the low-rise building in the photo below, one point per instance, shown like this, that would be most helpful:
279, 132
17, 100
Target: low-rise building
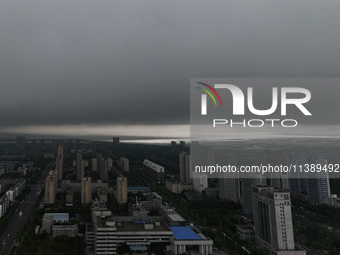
246, 232
65, 230
187, 239
56, 224
138, 231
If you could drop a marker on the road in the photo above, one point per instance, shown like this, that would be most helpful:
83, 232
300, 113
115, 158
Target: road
17, 221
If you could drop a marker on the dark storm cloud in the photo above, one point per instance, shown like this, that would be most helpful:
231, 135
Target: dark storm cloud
129, 62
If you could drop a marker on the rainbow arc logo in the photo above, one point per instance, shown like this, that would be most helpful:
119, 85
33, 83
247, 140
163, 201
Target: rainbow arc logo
204, 97
209, 93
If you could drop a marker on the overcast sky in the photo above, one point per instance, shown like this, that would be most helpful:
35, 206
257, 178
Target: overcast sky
119, 63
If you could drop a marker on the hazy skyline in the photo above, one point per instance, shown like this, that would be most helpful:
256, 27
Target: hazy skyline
97, 66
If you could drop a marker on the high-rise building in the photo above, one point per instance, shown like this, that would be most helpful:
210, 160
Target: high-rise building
314, 184
273, 221
121, 190
229, 188
108, 164
61, 150
154, 171
4, 204
279, 180
298, 182
59, 166
124, 164
184, 167
103, 230
51, 183
102, 168
86, 190
200, 182
21, 143
80, 166
247, 184
94, 165
228, 183
318, 187
60, 162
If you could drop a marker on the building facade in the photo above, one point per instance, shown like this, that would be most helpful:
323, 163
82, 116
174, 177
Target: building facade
273, 221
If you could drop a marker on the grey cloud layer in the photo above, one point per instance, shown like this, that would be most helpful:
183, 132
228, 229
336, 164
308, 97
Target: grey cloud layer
129, 62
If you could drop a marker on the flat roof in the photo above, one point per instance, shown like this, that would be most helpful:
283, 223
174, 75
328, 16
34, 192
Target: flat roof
141, 221
58, 216
184, 233
138, 187
139, 227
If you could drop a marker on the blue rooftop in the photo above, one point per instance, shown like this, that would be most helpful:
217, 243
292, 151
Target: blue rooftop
141, 221
184, 233
138, 187
59, 216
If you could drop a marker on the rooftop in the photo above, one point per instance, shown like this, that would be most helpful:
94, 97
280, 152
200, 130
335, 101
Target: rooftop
139, 187
184, 233
58, 216
139, 227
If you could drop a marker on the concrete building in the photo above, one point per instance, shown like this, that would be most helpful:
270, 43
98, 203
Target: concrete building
58, 217
69, 197
247, 183
102, 168
200, 182
4, 204
173, 186
184, 167
80, 166
246, 232
121, 190
318, 187
61, 151
65, 230
334, 200
154, 171
60, 162
314, 184
51, 183
229, 188
86, 190
188, 239
100, 190
106, 233
171, 216
62, 228
273, 221
16, 190
94, 165
60, 166
108, 164
124, 164
103, 230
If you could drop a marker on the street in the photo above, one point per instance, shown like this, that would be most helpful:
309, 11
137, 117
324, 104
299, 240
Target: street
17, 221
